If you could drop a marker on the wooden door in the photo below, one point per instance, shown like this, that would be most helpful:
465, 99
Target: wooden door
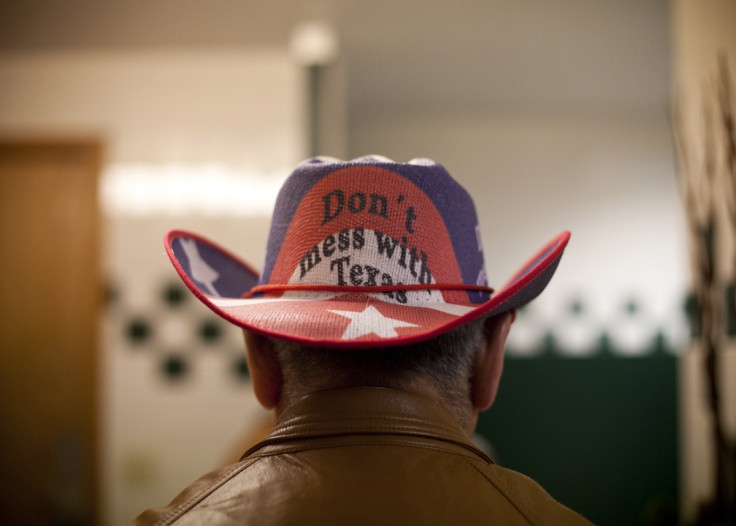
49, 301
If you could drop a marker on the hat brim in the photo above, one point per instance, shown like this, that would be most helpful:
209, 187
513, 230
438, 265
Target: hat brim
219, 279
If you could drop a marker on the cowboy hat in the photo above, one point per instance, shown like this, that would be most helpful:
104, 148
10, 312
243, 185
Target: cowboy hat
362, 253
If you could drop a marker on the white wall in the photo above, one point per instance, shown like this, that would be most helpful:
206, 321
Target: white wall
163, 114
161, 106
162, 434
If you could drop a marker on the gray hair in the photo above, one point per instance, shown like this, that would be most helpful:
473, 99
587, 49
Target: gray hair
446, 362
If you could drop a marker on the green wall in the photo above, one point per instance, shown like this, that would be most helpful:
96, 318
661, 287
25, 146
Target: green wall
599, 433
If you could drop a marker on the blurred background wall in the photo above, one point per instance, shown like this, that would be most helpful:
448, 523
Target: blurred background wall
554, 115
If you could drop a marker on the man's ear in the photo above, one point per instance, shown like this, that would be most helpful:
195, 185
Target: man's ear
489, 360
265, 369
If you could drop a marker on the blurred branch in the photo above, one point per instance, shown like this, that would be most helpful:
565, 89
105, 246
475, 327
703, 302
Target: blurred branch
726, 110
700, 187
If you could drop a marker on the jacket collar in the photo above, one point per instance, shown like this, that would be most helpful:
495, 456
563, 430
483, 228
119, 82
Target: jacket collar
367, 411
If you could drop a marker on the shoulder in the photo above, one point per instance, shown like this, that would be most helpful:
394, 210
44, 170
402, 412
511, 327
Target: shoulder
193, 496
530, 498
375, 477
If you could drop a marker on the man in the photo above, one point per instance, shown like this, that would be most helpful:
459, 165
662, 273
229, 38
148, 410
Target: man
373, 336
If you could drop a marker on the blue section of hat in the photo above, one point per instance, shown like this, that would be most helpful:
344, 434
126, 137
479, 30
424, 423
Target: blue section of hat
199, 261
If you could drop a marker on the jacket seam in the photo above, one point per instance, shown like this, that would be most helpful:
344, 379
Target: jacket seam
530, 517
416, 421
350, 443
175, 514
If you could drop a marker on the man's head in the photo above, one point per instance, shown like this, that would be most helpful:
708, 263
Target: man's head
460, 369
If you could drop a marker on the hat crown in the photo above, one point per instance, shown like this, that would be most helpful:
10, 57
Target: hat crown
375, 222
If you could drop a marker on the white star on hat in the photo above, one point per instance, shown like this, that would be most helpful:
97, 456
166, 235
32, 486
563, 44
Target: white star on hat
370, 321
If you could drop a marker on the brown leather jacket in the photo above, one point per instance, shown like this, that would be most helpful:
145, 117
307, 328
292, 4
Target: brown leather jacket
364, 456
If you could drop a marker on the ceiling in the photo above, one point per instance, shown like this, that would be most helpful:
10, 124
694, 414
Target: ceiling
403, 55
